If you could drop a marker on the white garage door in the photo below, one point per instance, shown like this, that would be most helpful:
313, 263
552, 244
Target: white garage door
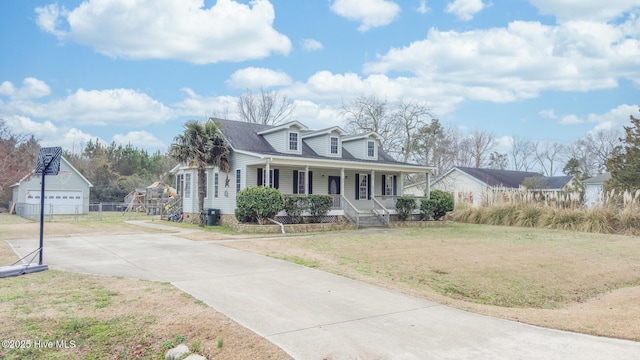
58, 201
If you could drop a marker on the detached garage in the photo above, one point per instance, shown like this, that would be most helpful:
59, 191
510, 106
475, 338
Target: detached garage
65, 193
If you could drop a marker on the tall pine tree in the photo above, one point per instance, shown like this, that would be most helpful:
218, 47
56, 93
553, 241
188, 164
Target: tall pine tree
624, 163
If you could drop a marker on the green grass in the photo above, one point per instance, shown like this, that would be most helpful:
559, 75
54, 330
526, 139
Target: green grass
493, 265
298, 260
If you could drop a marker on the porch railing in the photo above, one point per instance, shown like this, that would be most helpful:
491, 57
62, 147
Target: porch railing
350, 212
381, 211
388, 201
337, 201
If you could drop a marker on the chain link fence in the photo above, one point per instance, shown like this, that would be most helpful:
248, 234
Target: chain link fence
76, 213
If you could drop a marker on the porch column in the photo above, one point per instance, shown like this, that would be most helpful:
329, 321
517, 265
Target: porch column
373, 183
342, 183
401, 183
428, 191
265, 178
306, 179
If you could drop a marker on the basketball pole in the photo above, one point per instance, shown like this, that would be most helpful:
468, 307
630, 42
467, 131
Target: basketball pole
42, 215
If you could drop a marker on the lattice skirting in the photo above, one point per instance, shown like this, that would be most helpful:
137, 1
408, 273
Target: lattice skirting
324, 220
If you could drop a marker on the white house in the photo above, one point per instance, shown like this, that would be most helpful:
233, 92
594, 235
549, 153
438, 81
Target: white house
355, 170
475, 185
65, 193
593, 189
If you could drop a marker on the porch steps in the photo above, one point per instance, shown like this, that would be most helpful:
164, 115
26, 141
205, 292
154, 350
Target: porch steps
370, 220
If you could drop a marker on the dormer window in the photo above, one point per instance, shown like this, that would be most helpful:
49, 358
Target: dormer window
333, 145
371, 148
293, 141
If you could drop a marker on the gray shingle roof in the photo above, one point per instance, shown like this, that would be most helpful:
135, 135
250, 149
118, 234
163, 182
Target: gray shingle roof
244, 136
555, 182
504, 178
513, 179
598, 179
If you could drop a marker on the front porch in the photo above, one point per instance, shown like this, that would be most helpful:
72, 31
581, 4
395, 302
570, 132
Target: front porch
364, 197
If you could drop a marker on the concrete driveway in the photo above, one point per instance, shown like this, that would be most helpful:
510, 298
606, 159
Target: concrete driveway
312, 314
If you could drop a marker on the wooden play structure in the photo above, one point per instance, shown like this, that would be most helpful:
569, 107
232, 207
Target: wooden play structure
152, 200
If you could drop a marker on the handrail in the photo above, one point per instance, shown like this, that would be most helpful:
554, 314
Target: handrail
386, 215
350, 211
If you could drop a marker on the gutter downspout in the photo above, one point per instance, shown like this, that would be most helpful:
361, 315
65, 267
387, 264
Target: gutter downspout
281, 225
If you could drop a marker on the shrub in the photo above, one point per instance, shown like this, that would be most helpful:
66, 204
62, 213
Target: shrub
405, 207
529, 216
442, 203
259, 203
295, 205
319, 206
427, 208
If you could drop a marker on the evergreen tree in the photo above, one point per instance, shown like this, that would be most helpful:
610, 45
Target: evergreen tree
624, 164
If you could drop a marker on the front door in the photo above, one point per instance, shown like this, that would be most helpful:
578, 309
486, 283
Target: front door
334, 190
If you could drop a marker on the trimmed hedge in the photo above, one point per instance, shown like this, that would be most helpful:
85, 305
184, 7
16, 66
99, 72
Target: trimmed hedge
316, 205
295, 205
258, 203
437, 206
405, 207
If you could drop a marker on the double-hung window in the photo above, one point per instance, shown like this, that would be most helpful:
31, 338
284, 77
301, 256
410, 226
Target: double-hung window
333, 146
363, 190
293, 141
238, 180
388, 185
216, 184
187, 186
371, 148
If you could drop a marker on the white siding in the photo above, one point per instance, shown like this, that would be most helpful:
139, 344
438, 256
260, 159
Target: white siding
318, 144
465, 189
67, 181
321, 144
278, 140
358, 147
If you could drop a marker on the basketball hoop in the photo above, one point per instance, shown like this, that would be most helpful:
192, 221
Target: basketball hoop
63, 176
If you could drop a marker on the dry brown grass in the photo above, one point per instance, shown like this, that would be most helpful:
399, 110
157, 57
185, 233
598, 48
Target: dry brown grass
107, 317
566, 280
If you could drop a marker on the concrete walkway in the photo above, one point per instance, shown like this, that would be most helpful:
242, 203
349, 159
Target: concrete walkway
312, 314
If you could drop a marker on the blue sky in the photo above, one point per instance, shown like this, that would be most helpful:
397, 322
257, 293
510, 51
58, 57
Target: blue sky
135, 70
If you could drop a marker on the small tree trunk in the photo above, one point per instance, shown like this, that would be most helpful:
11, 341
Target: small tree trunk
201, 190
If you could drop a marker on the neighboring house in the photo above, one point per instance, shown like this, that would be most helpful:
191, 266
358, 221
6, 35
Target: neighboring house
594, 189
65, 193
475, 185
354, 170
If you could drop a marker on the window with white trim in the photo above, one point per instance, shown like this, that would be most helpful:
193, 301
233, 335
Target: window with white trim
333, 145
363, 187
216, 184
371, 148
388, 184
300, 182
187, 186
293, 141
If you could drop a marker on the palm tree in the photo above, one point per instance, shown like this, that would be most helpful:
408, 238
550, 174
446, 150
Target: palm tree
201, 145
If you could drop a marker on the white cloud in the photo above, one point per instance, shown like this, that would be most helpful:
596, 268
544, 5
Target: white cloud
311, 45
571, 120
198, 106
32, 88
465, 9
613, 119
565, 10
86, 107
521, 60
423, 8
139, 139
548, 113
49, 134
370, 13
253, 77
169, 29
